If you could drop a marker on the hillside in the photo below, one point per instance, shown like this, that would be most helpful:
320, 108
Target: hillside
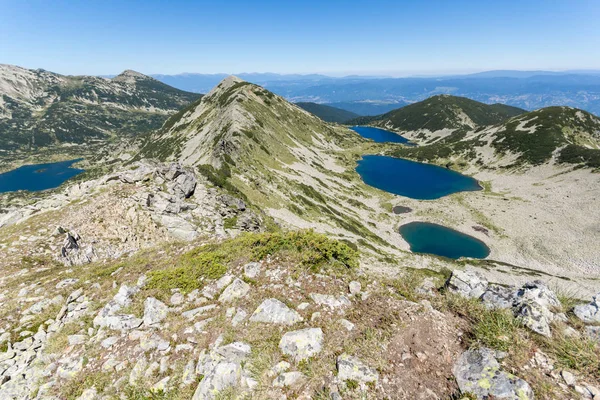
298, 168
251, 261
549, 135
40, 108
328, 113
438, 116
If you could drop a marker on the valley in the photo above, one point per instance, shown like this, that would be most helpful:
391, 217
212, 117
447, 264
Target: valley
240, 179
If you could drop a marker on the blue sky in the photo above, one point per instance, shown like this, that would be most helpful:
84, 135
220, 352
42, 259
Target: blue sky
286, 36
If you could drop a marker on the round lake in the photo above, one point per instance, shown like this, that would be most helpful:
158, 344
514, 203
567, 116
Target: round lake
425, 237
38, 176
379, 135
412, 179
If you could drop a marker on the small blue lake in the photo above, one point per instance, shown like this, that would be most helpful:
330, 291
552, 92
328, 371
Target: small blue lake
412, 179
379, 135
425, 237
38, 176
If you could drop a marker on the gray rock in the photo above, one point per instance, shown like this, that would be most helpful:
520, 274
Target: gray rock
497, 296
89, 394
354, 287
589, 313
239, 317
154, 311
177, 299
185, 185
224, 375
109, 342
467, 283
532, 306
568, 377
76, 339
534, 316
196, 312
330, 301
351, 368
189, 374
252, 270
66, 282
538, 292
236, 290
478, 372
177, 227
221, 367
349, 326
273, 311
302, 344
289, 379
137, 372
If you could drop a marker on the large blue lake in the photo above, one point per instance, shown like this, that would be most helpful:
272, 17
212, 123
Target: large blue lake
412, 179
38, 177
379, 135
425, 237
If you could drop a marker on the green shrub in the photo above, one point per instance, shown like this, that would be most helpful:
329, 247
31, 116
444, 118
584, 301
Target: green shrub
211, 261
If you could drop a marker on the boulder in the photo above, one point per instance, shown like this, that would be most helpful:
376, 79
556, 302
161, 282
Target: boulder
352, 368
354, 287
478, 372
154, 311
221, 368
532, 306
467, 283
589, 313
273, 311
302, 344
236, 290
252, 270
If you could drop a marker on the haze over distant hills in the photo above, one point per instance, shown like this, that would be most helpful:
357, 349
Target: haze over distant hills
529, 90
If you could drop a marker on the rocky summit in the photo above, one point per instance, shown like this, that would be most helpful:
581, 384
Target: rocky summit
233, 252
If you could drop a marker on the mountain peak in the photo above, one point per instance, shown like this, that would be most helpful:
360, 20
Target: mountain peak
130, 76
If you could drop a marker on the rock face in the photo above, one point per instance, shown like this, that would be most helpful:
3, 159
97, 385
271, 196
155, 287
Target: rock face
467, 283
589, 313
273, 311
478, 372
302, 344
352, 368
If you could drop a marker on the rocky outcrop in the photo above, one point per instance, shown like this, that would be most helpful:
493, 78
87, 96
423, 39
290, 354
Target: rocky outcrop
478, 372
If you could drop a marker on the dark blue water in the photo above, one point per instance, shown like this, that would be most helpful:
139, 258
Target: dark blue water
425, 237
379, 135
38, 176
413, 179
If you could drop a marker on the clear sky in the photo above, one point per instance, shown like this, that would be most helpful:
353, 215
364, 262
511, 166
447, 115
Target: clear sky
286, 36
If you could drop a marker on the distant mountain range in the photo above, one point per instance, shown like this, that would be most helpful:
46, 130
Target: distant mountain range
40, 108
529, 90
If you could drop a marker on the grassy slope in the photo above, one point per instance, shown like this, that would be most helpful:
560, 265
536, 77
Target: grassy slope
441, 112
534, 137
